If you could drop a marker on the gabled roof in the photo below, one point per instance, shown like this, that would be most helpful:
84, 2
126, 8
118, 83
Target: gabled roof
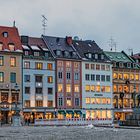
12, 38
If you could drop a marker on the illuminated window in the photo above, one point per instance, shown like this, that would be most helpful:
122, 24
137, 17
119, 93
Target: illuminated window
115, 75
92, 88
39, 103
126, 89
1, 77
68, 64
87, 88
120, 76
60, 87
50, 103
93, 101
98, 114
87, 100
26, 65
68, 88
109, 114
120, 88
1, 60
98, 88
108, 100
93, 114
115, 88
11, 47
108, 67
107, 89
131, 76
103, 100
98, 101
97, 67
50, 79
102, 67
76, 88
76, 65
27, 103
136, 77
13, 61
86, 66
60, 64
103, 89
92, 66
50, 66
137, 88
104, 114
69, 102
1, 46
38, 65
126, 76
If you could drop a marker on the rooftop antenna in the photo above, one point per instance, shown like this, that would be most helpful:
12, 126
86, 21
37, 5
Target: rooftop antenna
44, 24
130, 50
112, 44
14, 23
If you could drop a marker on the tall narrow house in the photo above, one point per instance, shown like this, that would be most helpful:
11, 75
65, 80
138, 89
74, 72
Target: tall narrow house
10, 72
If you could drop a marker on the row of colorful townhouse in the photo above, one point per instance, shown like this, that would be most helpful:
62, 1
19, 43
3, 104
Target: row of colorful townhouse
54, 77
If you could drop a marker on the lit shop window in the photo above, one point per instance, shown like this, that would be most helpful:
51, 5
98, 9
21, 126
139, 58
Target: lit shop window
93, 114
126, 89
93, 101
50, 79
86, 66
76, 88
13, 61
126, 76
102, 67
26, 65
103, 100
136, 77
103, 113
98, 88
68, 88
98, 114
69, 102
115, 75
109, 114
92, 88
120, 76
1, 60
108, 67
87, 114
98, 100
108, 100
68, 64
103, 89
87, 88
120, 88
107, 89
87, 100
39, 65
92, 66
50, 66
131, 76
60, 87
115, 88
97, 67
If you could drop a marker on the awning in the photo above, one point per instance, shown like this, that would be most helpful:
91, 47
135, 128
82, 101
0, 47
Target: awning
78, 112
69, 112
61, 112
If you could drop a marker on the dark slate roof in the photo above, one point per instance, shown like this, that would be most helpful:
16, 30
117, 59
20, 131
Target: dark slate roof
84, 47
59, 43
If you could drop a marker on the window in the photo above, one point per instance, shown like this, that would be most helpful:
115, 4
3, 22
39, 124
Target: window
108, 78
76, 76
50, 90
96, 56
115, 88
77, 102
76, 65
5, 34
92, 88
60, 76
68, 64
93, 101
50, 66
103, 100
36, 53
27, 103
92, 66
60, 64
76, 88
131, 76
108, 100
26, 65
98, 88
39, 103
38, 79
120, 64
136, 77
69, 102
97, 77
86, 66
103, 89
87, 77
98, 100
50, 79
102, 67
1, 46
97, 67
50, 103
38, 65
27, 90
13, 77
68, 88
60, 101
92, 77
15, 97
108, 67
102, 56
102, 78
126, 76
4, 97
38, 90
1, 60
26, 78
120, 88
68, 76
11, 47
120, 76
87, 100
13, 61
26, 53
60, 87
115, 75
107, 89
1, 77
87, 88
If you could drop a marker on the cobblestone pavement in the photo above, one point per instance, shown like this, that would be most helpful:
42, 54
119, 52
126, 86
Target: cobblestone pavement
67, 133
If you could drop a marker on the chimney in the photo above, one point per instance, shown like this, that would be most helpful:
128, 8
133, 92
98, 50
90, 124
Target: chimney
69, 40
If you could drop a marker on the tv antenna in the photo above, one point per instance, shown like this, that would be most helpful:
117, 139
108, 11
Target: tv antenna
112, 44
44, 24
130, 50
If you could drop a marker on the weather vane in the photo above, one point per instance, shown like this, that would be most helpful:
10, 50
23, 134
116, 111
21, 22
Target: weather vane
44, 24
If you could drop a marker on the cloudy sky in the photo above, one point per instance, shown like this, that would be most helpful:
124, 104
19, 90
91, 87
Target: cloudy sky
88, 19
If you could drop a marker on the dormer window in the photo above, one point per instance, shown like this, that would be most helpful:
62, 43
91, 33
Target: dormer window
47, 54
11, 47
114, 64
102, 56
134, 65
5, 34
36, 53
58, 52
96, 56
120, 64
128, 65
26, 52
73, 54
66, 53
1, 46
89, 55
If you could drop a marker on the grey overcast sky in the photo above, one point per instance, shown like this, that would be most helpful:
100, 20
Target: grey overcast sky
89, 19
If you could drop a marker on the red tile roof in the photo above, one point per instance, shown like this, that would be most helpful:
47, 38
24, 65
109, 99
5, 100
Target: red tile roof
13, 37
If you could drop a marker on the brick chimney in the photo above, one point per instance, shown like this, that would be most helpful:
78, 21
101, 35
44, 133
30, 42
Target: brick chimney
69, 40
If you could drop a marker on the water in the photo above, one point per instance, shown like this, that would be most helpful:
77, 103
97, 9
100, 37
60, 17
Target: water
67, 133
